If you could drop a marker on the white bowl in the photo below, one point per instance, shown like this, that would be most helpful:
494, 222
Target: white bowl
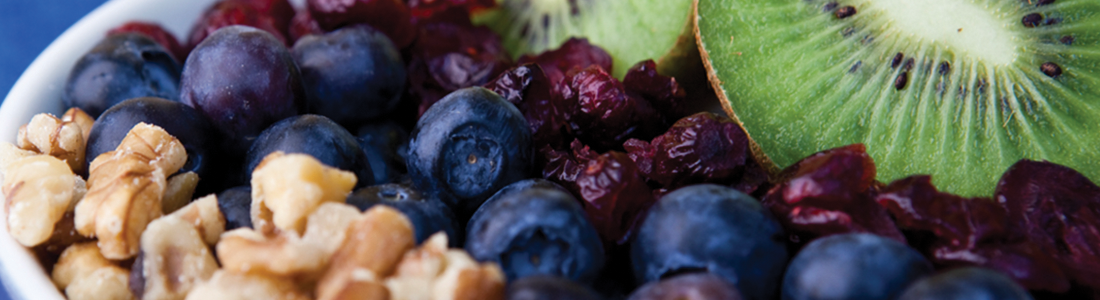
39, 90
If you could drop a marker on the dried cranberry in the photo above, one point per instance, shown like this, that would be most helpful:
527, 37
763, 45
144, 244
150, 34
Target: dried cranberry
601, 114
701, 148
662, 92
1059, 210
426, 8
158, 34
227, 13
1023, 262
830, 192
280, 10
575, 52
389, 16
450, 55
530, 90
303, 24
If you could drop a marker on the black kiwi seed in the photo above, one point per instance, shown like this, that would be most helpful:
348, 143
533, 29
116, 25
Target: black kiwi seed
897, 60
1032, 20
845, 12
945, 68
1067, 40
1051, 69
855, 67
848, 31
1053, 21
829, 6
903, 78
1044, 2
908, 65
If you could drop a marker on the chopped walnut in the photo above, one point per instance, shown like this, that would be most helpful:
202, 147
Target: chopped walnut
37, 190
174, 259
108, 283
46, 134
434, 272
79, 260
284, 255
205, 215
225, 285
9, 153
286, 188
78, 116
327, 226
372, 248
125, 188
180, 189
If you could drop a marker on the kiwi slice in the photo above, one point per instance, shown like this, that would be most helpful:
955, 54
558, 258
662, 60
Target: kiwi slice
959, 89
630, 30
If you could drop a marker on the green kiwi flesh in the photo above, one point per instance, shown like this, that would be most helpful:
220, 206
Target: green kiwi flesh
985, 83
630, 30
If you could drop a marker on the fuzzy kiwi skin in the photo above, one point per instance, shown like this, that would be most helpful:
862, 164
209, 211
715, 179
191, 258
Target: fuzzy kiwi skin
802, 80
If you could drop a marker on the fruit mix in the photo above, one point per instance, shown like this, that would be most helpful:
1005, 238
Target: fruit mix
386, 149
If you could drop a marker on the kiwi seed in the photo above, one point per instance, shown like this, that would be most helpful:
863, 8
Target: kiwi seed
1044, 2
830, 6
897, 60
908, 65
945, 68
845, 12
1051, 69
1032, 20
1067, 40
903, 78
855, 67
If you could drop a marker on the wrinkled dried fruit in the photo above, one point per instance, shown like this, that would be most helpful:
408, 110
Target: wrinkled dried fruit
601, 113
663, 92
533, 93
574, 53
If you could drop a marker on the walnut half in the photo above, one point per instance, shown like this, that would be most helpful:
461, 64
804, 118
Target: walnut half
49, 135
38, 190
126, 187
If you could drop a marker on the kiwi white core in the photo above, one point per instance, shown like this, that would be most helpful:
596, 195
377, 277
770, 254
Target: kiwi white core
965, 28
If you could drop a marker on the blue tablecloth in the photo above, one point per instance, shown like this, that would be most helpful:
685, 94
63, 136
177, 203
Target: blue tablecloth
26, 28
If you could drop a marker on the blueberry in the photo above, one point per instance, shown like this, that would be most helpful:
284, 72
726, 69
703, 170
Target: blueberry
536, 231
853, 266
181, 121
966, 283
243, 80
428, 215
314, 135
713, 228
467, 146
691, 286
120, 67
236, 206
385, 145
351, 75
542, 287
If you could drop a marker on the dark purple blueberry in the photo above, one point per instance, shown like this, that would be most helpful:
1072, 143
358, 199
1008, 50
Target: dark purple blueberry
964, 284
243, 80
711, 228
386, 145
428, 215
122, 66
155, 32
536, 231
853, 266
468, 146
317, 136
389, 16
541, 287
236, 206
181, 121
351, 75
691, 286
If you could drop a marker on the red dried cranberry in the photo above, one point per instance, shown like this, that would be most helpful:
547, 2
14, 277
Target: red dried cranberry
1023, 262
1059, 210
422, 9
158, 34
280, 10
601, 114
228, 13
701, 148
830, 192
575, 52
389, 16
961, 222
450, 55
662, 92
527, 87
302, 25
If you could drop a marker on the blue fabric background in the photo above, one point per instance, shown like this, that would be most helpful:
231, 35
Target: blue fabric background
26, 28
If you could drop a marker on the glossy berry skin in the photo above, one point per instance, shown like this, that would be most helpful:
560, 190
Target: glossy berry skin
713, 228
966, 283
853, 266
122, 66
236, 205
243, 80
317, 136
386, 144
389, 16
690, 286
468, 146
427, 215
157, 33
351, 75
181, 121
536, 231
542, 287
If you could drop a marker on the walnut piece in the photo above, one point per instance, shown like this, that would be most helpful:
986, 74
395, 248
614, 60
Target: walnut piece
180, 189
38, 190
287, 188
174, 259
78, 260
205, 215
284, 255
434, 272
125, 188
225, 285
46, 134
108, 283
328, 225
78, 116
371, 250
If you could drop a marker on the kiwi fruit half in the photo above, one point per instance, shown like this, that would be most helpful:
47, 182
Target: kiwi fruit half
630, 30
959, 89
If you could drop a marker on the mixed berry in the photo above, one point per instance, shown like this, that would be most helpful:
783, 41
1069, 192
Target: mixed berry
380, 123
